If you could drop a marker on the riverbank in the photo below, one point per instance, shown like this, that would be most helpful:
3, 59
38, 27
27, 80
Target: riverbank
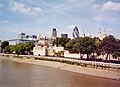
73, 68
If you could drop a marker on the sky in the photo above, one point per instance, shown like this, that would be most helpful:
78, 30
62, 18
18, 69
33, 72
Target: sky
41, 16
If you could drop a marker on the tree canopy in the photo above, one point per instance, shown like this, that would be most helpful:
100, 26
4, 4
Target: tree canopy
4, 44
24, 48
109, 45
84, 45
60, 42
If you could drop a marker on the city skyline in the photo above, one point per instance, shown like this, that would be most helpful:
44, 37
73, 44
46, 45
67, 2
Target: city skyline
41, 16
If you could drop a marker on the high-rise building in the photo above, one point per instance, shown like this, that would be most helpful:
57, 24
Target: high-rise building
75, 32
22, 38
21, 35
54, 33
64, 35
31, 37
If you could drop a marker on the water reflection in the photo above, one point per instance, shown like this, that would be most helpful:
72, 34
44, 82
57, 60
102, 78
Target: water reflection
13, 74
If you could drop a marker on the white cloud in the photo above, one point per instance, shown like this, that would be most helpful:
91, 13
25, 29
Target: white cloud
5, 21
16, 6
108, 11
96, 6
13, 31
1, 5
50, 32
109, 31
71, 27
110, 6
98, 18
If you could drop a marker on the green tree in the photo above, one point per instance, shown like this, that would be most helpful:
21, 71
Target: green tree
87, 46
59, 54
28, 47
15, 49
109, 45
9, 49
24, 48
4, 44
72, 46
97, 44
84, 45
60, 42
116, 54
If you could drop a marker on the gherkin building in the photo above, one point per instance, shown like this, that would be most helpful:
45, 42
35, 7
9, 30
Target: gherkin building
75, 32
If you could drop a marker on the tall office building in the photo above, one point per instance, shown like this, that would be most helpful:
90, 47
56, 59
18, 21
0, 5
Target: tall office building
21, 35
22, 38
54, 33
75, 32
64, 35
31, 37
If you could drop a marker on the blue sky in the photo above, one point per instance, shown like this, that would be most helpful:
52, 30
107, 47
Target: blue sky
41, 16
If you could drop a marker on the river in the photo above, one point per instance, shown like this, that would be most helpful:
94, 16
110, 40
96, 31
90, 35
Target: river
14, 74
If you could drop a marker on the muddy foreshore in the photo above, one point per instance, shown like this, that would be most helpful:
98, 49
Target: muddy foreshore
63, 66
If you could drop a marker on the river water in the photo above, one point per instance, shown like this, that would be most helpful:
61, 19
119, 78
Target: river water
14, 74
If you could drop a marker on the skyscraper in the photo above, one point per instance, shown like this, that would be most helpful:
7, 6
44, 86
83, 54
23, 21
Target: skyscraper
54, 33
64, 35
75, 32
21, 35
